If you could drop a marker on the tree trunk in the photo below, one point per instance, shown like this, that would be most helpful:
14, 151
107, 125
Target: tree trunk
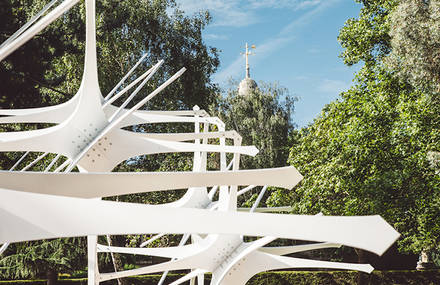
116, 259
52, 277
362, 277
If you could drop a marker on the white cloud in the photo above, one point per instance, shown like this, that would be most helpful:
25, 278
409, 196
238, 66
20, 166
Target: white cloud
333, 86
216, 37
238, 13
307, 17
224, 12
271, 45
237, 66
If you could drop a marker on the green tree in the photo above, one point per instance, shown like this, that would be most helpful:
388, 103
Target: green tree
262, 118
368, 152
44, 258
415, 43
125, 31
24, 74
47, 70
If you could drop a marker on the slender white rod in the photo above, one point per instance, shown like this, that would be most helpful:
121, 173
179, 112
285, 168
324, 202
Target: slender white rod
149, 97
145, 243
28, 24
215, 188
190, 276
125, 77
64, 164
181, 243
52, 163
4, 247
136, 91
34, 162
112, 256
19, 161
36, 28
123, 91
244, 190
260, 196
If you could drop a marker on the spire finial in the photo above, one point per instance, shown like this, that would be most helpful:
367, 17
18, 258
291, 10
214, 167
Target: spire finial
247, 84
247, 53
247, 62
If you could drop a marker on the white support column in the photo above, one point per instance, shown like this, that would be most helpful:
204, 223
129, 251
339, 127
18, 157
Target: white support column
234, 188
92, 261
223, 194
197, 154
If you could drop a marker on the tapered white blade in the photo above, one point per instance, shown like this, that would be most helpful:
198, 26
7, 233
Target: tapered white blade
283, 250
258, 262
39, 216
94, 185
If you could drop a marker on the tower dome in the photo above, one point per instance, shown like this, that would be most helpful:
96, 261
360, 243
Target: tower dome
247, 85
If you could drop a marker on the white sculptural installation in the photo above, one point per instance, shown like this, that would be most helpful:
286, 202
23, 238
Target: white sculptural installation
89, 134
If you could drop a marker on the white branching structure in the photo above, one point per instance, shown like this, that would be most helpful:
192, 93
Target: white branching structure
88, 134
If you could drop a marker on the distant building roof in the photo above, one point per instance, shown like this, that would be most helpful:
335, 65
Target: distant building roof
246, 86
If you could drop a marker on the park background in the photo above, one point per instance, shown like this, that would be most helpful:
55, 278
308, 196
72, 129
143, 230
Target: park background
371, 148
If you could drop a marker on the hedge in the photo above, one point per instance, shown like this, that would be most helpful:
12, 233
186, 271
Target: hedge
398, 277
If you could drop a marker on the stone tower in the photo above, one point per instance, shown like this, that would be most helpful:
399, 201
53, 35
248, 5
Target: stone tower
247, 84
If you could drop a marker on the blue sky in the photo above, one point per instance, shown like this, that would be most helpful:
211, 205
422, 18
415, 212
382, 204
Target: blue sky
296, 45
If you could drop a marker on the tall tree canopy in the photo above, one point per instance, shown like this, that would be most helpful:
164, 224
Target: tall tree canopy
368, 152
48, 69
263, 118
125, 30
415, 42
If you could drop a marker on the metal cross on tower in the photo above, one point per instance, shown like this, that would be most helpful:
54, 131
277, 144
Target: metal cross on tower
247, 53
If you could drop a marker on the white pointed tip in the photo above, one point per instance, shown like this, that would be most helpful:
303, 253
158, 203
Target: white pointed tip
367, 268
294, 176
389, 239
254, 151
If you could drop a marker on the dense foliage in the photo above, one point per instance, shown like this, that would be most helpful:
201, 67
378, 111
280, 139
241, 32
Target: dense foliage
368, 152
43, 258
263, 119
415, 42
125, 31
47, 70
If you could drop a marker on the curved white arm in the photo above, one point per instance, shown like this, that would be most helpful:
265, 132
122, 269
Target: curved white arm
258, 262
283, 250
189, 276
246, 249
40, 216
93, 185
